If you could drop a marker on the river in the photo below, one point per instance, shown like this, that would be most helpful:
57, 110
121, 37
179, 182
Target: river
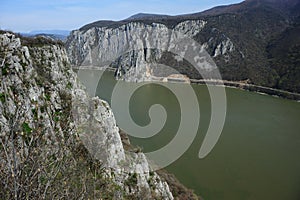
257, 156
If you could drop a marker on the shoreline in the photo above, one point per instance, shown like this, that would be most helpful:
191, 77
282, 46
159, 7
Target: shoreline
230, 84
252, 88
90, 67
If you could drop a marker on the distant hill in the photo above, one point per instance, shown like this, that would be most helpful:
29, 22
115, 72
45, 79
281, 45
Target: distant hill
146, 16
51, 34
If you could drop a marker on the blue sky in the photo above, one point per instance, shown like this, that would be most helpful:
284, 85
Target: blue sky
27, 15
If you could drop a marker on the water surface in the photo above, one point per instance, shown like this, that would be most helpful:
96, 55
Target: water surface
257, 156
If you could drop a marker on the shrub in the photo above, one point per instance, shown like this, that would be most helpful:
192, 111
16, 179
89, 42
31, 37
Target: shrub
26, 128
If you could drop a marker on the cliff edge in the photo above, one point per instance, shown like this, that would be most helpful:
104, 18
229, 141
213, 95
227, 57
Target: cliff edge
44, 115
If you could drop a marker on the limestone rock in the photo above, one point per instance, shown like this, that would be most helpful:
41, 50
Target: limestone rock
134, 49
40, 94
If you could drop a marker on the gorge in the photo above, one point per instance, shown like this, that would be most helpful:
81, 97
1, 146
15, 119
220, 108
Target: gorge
82, 118
246, 42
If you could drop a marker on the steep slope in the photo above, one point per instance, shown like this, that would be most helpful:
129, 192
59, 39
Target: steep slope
284, 56
237, 37
130, 48
47, 122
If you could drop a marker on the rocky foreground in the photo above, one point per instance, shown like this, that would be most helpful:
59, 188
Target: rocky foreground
48, 129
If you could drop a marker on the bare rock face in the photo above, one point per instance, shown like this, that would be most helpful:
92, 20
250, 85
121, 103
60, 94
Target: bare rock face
135, 48
45, 113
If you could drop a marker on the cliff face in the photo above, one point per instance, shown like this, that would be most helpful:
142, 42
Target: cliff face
135, 48
55, 140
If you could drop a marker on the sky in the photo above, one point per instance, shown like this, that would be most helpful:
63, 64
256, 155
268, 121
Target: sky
27, 15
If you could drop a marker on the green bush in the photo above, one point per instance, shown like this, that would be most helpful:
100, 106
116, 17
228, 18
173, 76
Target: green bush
2, 97
26, 128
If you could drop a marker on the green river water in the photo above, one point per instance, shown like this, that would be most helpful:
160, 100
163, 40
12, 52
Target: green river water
257, 156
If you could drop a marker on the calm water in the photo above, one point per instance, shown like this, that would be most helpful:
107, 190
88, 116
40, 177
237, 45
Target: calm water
257, 156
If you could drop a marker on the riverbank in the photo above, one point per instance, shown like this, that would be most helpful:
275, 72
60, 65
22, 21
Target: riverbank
239, 85
250, 87
91, 67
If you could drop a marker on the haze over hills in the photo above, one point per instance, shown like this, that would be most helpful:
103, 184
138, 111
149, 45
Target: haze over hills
50, 34
53, 32
244, 39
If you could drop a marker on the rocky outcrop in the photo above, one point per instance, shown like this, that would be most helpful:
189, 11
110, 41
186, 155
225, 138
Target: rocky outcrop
135, 49
53, 134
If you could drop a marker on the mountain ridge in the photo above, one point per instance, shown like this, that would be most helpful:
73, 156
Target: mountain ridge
224, 9
250, 28
146, 15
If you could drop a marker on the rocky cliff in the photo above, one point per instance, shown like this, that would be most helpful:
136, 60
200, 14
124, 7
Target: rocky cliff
243, 40
135, 49
56, 141
132, 48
